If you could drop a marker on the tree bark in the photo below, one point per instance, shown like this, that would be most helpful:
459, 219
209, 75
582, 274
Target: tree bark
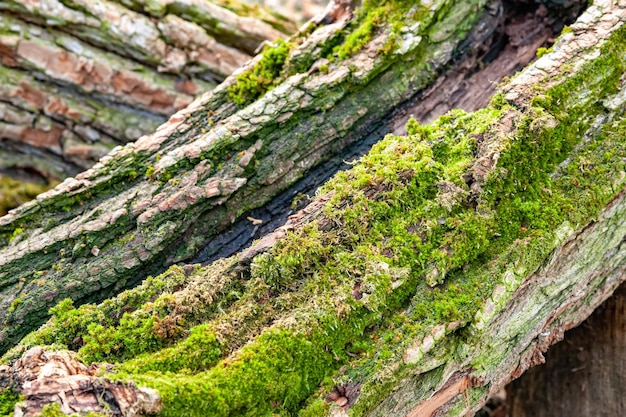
584, 375
160, 200
417, 283
81, 77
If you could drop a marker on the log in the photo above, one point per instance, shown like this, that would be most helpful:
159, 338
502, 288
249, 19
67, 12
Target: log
160, 200
583, 375
81, 77
418, 282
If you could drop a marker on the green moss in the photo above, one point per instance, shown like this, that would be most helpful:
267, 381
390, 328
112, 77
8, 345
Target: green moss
529, 203
54, 410
8, 399
542, 51
15, 233
317, 407
358, 38
14, 193
255, 82
272, 376
371, 17
276, 64
413, 236
387, 230
198, 352
16, 302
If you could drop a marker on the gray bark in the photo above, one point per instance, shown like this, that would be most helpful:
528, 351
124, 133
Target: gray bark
583, 375
79, 78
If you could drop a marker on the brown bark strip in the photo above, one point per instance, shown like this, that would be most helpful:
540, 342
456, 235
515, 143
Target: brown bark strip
455, 385
106, 74
57, 377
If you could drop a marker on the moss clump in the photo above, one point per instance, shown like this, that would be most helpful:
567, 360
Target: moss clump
70, 327
199, 351
14, 193
275, 63
372, 15
542, 51
8, 399
54, 410
272, 376
255, 82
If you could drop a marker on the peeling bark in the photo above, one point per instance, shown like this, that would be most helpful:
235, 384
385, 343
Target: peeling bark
79, 78
583, 375
57, 377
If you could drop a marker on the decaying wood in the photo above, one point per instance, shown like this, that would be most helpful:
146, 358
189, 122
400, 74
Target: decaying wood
57, 377
447, 367
159, 200
80, 78
584, 375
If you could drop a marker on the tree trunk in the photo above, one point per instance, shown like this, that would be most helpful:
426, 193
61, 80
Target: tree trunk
418, 282
80, 77
584, 375
160, 200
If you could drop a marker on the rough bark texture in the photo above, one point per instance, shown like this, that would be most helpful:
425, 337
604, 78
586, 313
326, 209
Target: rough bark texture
80, 77
57, 377
418, 282
300, 10
158, 201
584, 375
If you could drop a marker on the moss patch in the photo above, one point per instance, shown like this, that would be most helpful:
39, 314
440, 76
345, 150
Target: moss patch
14, 193
54, 410
8, 399
265, 74
400, 222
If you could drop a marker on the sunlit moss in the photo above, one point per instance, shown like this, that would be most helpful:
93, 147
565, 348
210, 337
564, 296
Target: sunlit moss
14, 193
255, 82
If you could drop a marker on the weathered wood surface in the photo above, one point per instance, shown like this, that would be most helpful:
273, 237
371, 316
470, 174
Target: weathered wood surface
582, 376
418, 282
78, 78
159, 200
